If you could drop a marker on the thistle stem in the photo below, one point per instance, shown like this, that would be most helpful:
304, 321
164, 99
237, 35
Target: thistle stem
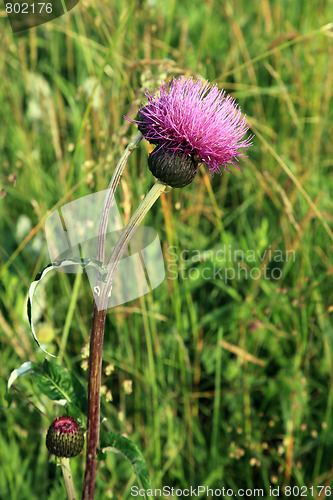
110, 195
97, 334
99, 315
94, 384
129, 231
68, 478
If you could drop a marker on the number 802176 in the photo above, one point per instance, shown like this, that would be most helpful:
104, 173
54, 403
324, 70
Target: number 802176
25, 8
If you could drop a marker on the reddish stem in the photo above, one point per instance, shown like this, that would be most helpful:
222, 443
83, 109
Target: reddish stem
94, 384
97, 334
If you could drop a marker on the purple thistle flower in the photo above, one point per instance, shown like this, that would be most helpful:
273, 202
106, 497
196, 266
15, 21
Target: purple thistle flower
191, 122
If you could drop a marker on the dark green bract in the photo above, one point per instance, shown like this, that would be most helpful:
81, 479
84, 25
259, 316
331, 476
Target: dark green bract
174, 169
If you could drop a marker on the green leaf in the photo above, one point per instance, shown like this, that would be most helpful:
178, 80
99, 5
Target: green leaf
116, 443
55, 381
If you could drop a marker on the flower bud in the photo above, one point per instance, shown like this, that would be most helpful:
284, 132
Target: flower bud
65, 437
174, 169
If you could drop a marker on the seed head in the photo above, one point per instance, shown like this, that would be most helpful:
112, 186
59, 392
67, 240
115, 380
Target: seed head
65, 437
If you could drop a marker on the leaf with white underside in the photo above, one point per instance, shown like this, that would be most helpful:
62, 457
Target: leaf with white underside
25, 369
114, 442
83, 263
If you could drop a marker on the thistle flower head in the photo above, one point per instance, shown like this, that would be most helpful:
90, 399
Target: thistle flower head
65, 437
194, 119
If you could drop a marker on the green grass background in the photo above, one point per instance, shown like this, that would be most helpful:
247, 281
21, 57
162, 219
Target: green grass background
231, 382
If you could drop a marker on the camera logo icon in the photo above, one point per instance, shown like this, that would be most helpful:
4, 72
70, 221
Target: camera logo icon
71, 234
